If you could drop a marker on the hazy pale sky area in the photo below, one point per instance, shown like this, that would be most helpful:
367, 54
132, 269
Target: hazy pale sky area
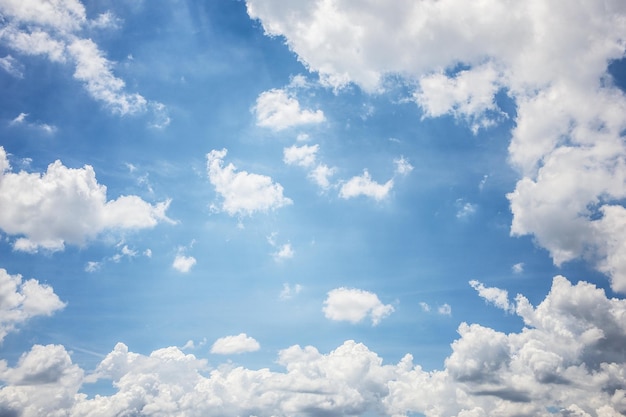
319, 208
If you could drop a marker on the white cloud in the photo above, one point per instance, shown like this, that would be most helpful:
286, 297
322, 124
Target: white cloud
353, 305
37, 27
321, 174
364, 185
289, 291
469, 94
403, 167
284, 252
300, 155
22, 300
229, 345
243, 193
518, 268
20, 119
425, 307
445, 310
93, 266
11, 66
567, 360
183, 263
552, 62
279, 110
464, 209
66, 205
493, 295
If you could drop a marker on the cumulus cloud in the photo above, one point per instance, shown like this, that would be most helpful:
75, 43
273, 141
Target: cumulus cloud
567, 143
279, 110
21, 300
300, 155
229, 345
353, 305
365, 186
183, 263
321, 174
567, 360
66, 205
52, 29
243, 193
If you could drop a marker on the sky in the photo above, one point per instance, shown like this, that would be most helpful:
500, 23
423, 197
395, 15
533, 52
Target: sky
312, 208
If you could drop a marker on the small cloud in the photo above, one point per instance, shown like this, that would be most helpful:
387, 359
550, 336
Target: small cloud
321, 175
300, 155
12, 66
93, 266
518, 268
353, 305
19, 119
363, 185
483, 182
445, 310
235, 344
289, 292
493, 295
191, 345
243, 193
403, 167
285, 252
425, 307
183, 263
148, 253
277, 109
465, 209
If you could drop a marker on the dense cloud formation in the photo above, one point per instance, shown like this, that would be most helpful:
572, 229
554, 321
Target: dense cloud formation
66, 205
550, 57
567, 360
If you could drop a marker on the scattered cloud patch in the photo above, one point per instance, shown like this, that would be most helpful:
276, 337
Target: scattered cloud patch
518, 268
321, 174
289, 291
12, 66
243, 193
300, 155
66, 205
354, 305
465, 209
425, 307
403, 167
278, 109
20, 120
52, 29
22, 300
364, 186
493, 295
229, 345
445, 310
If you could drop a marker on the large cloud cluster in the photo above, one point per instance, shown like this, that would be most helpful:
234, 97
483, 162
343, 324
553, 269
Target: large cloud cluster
65, 205
550, 57
568, 360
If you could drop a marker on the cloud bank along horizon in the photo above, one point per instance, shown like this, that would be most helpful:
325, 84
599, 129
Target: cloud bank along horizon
313, 208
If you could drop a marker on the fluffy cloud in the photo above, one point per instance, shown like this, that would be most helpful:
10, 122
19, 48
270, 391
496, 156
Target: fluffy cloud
183, 263
364, 185
551, 60
353, 305
278, 110
22, 300
243, 193
300, 155
52, 29
229, 345
321, 174
66, 205
403, 166
567, 360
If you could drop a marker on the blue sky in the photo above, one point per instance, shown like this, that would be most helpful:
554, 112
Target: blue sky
312, 208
